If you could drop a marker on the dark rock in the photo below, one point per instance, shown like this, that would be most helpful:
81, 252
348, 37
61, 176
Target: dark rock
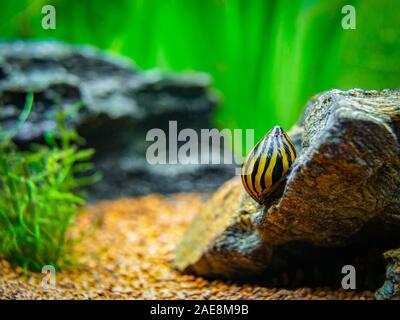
338, 206
120, 104
3, 73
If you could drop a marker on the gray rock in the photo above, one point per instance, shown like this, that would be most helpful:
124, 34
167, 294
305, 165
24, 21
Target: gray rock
339, 205
121, 103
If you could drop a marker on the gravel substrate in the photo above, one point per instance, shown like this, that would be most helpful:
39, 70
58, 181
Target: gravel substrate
129, 257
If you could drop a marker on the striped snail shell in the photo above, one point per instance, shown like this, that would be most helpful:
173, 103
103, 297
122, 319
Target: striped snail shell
267, 163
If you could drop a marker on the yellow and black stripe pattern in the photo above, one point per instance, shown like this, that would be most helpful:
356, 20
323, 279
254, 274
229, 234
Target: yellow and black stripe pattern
267, 163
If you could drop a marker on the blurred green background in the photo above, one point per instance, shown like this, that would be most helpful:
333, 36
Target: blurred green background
267, 58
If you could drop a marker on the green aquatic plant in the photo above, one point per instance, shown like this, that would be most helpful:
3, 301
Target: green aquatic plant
266, 57
39, 195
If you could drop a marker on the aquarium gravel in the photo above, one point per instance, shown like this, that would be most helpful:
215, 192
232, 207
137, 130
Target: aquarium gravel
129, 257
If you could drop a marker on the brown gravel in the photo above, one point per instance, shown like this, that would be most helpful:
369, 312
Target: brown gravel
129, 257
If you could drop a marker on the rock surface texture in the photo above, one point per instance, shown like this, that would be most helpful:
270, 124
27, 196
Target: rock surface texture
120, 105
339, 205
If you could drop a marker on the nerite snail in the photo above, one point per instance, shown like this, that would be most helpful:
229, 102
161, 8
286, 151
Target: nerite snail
267, 163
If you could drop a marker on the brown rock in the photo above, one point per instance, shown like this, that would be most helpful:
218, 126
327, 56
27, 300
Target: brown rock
339, 204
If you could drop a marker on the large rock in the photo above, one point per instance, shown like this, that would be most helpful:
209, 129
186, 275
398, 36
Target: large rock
339, 205
120, 105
